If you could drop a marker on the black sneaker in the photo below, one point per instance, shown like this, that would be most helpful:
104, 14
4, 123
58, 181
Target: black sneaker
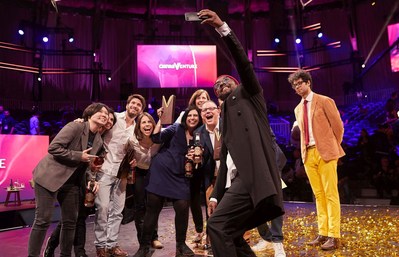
48, 250
183, 250
142, 252
81, 254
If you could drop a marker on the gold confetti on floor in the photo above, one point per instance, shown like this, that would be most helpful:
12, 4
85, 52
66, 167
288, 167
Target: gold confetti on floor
365, 231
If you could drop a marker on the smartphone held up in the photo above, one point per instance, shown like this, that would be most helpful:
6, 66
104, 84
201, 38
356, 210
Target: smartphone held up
193, 16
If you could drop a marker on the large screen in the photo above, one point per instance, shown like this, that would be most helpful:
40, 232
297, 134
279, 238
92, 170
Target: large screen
19, 155
161, 66
393, 35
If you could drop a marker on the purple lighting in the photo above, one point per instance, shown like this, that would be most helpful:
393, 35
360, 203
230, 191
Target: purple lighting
45, 39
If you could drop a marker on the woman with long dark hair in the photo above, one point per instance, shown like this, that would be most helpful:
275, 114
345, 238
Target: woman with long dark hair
167, 180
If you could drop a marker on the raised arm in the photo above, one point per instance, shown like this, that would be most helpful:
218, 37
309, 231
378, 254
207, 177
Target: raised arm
242, 63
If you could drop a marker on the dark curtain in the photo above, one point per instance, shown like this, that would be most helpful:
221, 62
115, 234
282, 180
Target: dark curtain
120, 36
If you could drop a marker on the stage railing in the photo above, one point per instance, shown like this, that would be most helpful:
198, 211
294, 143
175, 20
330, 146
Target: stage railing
282, 129
368, 96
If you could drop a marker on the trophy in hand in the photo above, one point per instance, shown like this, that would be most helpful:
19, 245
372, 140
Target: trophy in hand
198, 150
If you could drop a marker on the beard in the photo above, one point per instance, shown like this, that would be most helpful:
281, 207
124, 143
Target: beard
224, 95
131, 114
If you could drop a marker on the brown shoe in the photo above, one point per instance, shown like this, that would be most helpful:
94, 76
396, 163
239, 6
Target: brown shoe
157, 244
101, 252
198, 237
117, 251
247, 236
331, 244
318, 241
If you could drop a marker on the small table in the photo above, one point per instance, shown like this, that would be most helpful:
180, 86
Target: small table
17, 198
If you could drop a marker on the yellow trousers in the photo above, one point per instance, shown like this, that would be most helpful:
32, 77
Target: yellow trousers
323, 179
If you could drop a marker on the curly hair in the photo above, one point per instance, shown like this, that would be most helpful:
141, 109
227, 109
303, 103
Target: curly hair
300, 74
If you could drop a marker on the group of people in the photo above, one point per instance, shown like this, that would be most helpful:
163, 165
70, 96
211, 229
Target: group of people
8, 123
240, 168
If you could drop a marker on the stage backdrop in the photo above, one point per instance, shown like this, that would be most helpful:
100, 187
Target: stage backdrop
19, 154
393, 36
160, 66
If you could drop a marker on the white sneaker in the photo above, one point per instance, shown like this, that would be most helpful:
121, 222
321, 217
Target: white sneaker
262, 245
278, 250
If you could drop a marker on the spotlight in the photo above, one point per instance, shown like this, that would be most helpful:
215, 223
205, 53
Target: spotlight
71, 39
45, 39
363, 65
109, 78
298, 40
39, 78
276, 40
21, 32
320, 34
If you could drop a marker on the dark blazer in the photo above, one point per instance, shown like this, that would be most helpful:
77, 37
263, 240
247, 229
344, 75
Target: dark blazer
64, 155
246, 136
207, 169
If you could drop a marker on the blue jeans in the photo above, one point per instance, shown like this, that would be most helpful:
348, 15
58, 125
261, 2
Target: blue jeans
274, 233
68, 199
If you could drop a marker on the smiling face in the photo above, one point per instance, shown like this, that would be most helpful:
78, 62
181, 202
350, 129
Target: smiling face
210, 114
100, 117
108, 125
110, 121
201, 99
192, 119
223, 87
146, 126
134, 107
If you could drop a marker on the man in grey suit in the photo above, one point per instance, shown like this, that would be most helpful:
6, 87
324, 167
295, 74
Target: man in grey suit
247, 192
59, 174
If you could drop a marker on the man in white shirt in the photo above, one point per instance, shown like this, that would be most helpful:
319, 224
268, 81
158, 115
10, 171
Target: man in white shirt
110, 199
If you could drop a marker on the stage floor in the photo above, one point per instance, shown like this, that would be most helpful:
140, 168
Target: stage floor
366, 231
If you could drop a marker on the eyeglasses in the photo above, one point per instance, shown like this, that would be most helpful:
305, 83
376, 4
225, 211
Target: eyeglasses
298, 83
218, 84
211, 109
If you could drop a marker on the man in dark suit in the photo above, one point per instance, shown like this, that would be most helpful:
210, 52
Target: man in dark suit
247, 191
210, 134
210, 140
